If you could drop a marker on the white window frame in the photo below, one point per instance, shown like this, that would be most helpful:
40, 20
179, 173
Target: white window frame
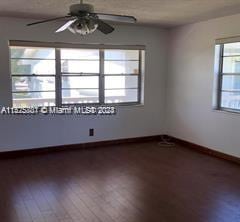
219, 74
101, 48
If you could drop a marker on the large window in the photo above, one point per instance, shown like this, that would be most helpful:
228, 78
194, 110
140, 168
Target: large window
228, 76
52, 75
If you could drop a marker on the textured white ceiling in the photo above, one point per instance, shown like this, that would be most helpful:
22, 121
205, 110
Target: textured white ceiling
153, 12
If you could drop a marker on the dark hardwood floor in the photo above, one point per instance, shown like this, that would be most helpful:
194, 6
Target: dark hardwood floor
140, 182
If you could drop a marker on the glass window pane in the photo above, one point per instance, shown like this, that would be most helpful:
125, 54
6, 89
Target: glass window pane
121, 54
76, 96
33, 53
122, 67
121, 82
85, 54
230, 100
33, 99
121, 95
31, 67
231, 65
231, 83
231, 49
73, 66
87, 82
33, 83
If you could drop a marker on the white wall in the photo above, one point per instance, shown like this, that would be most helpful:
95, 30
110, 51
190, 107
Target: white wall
24, 132
190, 86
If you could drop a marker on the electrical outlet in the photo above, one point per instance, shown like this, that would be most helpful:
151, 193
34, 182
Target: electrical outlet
91, 132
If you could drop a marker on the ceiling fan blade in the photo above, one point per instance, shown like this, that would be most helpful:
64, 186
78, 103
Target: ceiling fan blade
104, 27
66, 25
48, 20
116, 18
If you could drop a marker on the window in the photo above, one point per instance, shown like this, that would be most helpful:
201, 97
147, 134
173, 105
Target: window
80, 74
33, 76
60, 74
228, 76
121, 75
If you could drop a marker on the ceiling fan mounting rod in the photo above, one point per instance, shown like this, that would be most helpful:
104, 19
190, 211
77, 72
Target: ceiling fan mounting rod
81, 1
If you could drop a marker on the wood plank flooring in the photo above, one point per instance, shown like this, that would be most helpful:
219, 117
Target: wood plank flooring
140, 182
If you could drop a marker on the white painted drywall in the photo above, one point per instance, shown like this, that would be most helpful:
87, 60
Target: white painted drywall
190, 86
24, 132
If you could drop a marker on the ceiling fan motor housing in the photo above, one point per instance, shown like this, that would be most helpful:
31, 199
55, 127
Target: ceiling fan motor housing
78, 8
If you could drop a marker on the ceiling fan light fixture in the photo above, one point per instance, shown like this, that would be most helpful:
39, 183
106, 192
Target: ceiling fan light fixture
83, 27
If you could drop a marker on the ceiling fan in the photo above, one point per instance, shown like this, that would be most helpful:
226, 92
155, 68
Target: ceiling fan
83, 20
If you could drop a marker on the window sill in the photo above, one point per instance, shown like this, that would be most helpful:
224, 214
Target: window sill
128, 105
89, 104
227, 111
106, 104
